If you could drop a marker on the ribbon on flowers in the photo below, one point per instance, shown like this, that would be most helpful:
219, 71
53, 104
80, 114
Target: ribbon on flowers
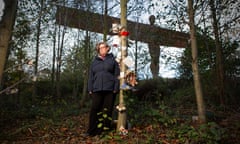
124, 33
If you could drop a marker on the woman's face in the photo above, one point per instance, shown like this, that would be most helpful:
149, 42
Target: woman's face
103, 50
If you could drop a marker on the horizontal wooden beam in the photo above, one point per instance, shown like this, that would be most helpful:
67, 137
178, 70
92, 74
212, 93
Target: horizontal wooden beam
94, 22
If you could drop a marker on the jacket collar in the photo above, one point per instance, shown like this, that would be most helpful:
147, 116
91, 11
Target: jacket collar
107, 56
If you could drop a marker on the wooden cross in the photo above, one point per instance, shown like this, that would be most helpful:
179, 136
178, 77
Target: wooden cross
151, 34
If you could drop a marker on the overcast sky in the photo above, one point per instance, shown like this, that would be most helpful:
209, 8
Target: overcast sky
1, 9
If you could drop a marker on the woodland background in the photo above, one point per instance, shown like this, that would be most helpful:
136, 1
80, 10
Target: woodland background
43, 96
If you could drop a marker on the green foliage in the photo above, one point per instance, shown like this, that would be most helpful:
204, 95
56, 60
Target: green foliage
172, 113
75, 68
207, 68
103, 119
152, 90
182, 97
206, 56
144, 115
148, 114
232, 59
49, 107
44, 106
209, 133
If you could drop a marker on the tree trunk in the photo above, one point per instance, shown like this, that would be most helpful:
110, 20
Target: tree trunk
86, 69
53, 62
6, 26
219, 57
122, 114
37, 51
196, 76
59, 60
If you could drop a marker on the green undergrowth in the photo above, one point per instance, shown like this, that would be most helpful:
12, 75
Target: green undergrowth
156, 113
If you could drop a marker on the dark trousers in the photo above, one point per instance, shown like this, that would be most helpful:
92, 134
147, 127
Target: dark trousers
102, 103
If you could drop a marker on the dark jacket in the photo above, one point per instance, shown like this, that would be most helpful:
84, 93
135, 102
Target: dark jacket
103, 74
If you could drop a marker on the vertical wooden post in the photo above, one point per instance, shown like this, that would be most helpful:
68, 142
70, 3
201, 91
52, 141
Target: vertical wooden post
122, 114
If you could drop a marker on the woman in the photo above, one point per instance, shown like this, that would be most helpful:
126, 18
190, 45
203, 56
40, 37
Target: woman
103, 85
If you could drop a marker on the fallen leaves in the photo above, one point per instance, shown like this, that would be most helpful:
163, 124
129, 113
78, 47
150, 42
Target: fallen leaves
70, 131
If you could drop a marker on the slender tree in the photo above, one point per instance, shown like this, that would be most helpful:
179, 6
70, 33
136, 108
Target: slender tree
61, 37
37, 49
6, 26
196, 75
53, 60
85, 65
122, 113
219, 56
